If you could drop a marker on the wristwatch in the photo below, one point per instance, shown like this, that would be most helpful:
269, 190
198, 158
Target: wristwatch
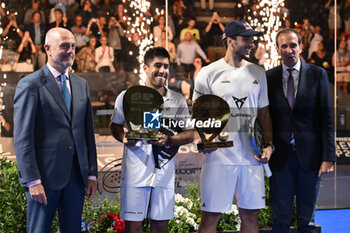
271, 145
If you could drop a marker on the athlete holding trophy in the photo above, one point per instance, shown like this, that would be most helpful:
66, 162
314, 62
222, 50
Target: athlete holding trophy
236, 171
148, 173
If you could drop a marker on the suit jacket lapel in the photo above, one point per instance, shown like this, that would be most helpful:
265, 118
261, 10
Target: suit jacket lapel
302, 82
76, 95
55, 91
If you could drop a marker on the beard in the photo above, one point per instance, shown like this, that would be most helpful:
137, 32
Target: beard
64, 60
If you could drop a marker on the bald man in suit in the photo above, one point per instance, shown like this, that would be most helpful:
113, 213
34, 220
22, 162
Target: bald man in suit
54, 139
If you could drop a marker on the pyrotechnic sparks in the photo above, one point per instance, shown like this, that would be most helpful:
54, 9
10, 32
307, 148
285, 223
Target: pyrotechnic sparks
3, 83
267, 16
140, 23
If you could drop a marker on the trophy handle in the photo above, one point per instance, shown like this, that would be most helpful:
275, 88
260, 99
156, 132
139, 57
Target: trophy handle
211, 138
202, 136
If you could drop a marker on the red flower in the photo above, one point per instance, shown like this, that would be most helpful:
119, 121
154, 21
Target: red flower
111, 220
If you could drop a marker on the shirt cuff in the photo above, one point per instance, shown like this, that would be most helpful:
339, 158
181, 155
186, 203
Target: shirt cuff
92, 177
32, 183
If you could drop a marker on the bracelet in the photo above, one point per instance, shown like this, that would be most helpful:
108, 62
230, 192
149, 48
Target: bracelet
168, 142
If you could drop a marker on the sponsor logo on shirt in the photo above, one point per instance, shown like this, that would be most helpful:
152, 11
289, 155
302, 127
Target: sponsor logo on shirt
247, 26
225, 80
255, 82
239, 102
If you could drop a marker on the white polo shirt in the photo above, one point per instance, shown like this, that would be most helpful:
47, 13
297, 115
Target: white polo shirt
245, 91
138, 162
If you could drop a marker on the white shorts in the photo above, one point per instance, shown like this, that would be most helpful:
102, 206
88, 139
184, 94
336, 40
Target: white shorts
135, 203
221, 185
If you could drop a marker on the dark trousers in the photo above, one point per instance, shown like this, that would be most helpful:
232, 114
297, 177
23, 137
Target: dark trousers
68, 201
187, 68
292, 181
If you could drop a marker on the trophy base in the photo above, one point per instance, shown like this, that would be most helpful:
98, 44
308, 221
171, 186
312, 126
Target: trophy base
214, 145
149, 136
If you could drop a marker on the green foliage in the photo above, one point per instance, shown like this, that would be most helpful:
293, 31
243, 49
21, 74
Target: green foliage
187, 209
265, 215
12, 199
187, 214
13, 206
97, 207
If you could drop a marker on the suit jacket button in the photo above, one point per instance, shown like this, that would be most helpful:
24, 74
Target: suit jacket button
70, 148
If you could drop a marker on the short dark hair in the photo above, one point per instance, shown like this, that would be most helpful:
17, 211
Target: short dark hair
151, 53
191, 18
59, 10
36, 12
287, 31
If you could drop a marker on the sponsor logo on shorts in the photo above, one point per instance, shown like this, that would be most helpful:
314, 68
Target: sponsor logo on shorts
239, 102
203, 205
255, 82
133, 212
263, 197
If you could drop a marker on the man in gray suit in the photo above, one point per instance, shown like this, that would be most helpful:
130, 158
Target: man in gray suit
54, 139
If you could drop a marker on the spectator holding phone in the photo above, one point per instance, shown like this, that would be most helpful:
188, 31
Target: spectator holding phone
88, 12
26, 49
190, 28
115, 35
12, 31
214, 30
79, 33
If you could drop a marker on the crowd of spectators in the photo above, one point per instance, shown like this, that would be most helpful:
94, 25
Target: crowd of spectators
103, 44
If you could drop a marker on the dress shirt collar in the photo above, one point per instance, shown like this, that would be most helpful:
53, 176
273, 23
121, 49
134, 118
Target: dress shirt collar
55, 72
296, 67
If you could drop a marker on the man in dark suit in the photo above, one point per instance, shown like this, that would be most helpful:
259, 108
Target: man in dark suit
37, 32
54, 139
301, 111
